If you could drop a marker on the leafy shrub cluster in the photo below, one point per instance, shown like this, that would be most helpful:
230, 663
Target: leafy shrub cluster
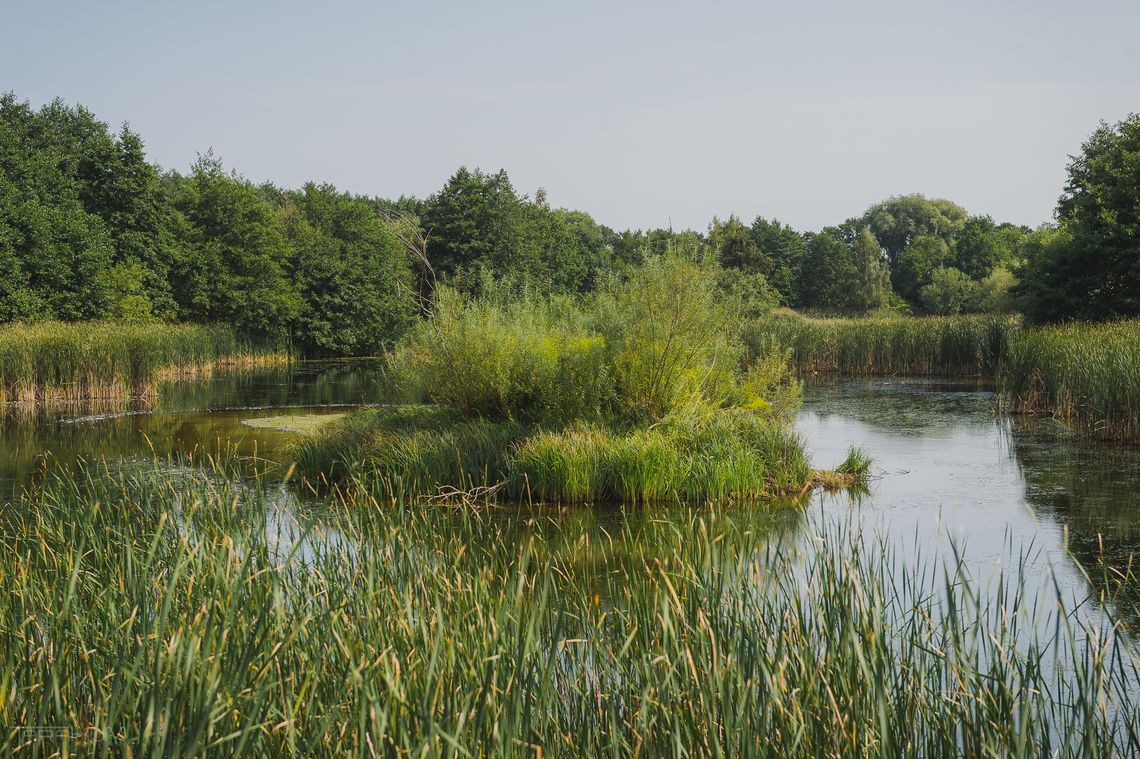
662, 343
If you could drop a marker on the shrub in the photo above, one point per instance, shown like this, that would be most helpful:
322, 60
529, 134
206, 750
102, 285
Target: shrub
637, 352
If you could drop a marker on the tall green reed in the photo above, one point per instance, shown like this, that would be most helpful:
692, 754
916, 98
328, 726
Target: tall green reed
1084, 374
152, 613
931, 345
48, 362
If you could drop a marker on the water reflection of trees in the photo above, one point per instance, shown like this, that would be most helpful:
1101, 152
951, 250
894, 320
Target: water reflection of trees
303, 384
1092, 489
903, 405
199, 416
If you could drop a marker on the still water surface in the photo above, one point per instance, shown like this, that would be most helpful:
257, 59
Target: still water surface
950, 471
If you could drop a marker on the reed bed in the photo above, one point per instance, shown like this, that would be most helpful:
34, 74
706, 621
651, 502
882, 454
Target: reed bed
154, 615
929, 345
1087, 375
406, 452
52, 363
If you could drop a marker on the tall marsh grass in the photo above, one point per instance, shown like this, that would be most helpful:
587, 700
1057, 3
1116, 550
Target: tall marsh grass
54, 362
154, 615
929, 345
404, 452
1087, 375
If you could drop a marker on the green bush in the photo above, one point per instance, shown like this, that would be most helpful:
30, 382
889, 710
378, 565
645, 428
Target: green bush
657, 344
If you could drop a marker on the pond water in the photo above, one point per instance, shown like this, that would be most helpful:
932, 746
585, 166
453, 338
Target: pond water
201, 416
953, 471
949, 469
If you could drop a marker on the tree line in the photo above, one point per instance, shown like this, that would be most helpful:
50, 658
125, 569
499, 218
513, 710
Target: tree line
90, 229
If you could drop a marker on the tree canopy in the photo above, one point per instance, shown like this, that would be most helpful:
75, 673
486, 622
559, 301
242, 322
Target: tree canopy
89, 228
1089, 268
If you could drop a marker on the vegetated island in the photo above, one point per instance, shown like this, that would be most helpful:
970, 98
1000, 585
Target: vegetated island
639, 393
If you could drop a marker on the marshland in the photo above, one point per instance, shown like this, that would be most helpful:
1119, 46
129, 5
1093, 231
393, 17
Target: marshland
303, 472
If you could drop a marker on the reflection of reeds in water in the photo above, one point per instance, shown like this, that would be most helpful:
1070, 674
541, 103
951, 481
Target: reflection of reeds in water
93, 364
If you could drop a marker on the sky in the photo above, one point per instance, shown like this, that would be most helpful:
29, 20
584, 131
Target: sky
642, 114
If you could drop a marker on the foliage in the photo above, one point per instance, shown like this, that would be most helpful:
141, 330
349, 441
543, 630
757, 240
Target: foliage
948, 292
50, 361
1090, 267
736, 456
872, 286
51, 247
994, 292
89, 229
967, 345
638, 351
827, 273
784, 247
982, 245
915, 265
750, 293
478, 222
844, 271
897, 221
354, 278
736, 248
614, 396
857, 463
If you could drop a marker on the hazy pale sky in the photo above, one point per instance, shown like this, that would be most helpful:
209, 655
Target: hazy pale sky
639, 113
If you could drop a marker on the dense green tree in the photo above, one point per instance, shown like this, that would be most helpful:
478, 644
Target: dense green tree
736, 248
1090, 267
828, 272
948, 292
897, 221
51, 248
915, 264
993, 293
477, 221
750, 292
784, 247
354, 279
872, 286
981, 245
125, 288
563, 263
233, 254
590, 239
